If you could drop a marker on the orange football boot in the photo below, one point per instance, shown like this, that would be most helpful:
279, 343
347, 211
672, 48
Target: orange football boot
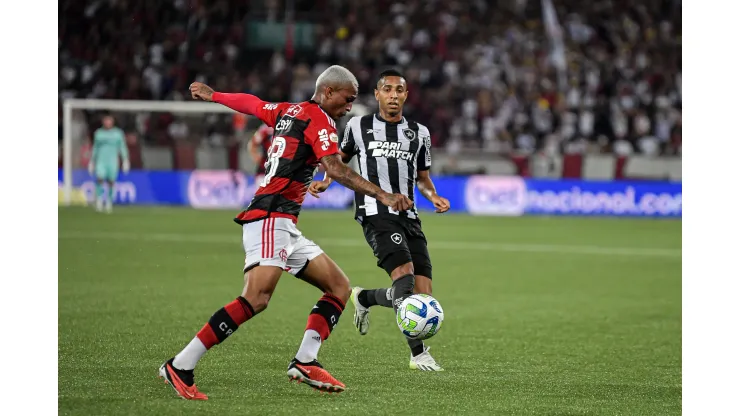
314, 375
181, 380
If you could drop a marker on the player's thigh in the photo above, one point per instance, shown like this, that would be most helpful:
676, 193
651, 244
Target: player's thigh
113, 174
420, 258
309, 263
388, 242
304, 251
101, 172
267, 244
109, 172
417, 243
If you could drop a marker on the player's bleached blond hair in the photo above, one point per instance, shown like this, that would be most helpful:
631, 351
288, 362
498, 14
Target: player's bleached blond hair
336, 76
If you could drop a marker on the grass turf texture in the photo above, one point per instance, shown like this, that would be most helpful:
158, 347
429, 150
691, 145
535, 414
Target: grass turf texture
544, 316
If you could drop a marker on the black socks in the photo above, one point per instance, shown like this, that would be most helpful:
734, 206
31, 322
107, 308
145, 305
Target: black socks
372, 297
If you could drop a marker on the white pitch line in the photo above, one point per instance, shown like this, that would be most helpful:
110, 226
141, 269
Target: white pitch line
444, 245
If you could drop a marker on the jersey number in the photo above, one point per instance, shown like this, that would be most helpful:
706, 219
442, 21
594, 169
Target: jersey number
277, 148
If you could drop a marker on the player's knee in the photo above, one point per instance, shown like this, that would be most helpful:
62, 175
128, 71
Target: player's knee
323, 273
258, 290
259, 300
340, 287
402, 270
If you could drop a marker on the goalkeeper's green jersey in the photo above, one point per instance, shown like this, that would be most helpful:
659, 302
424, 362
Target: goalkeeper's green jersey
107, 145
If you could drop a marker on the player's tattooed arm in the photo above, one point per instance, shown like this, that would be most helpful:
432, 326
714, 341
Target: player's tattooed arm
345, 158
427, 188
337, 170
201, 91
340, 172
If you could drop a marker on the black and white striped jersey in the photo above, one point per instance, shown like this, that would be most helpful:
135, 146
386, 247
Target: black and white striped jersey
389, 154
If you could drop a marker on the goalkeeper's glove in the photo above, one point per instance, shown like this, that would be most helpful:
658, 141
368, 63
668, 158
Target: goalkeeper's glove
126, 166
90, 167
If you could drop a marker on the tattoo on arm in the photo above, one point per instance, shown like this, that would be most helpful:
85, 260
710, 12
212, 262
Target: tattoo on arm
345, 159
347, 177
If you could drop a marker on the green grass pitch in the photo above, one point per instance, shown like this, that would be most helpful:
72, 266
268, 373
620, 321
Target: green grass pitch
544, 316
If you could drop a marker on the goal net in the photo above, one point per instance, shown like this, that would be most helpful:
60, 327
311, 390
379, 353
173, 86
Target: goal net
160, 136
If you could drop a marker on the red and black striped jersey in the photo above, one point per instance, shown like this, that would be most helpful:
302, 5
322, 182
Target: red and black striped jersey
303, 134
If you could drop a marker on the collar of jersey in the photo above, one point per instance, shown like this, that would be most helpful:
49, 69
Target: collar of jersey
403, 119
324, 111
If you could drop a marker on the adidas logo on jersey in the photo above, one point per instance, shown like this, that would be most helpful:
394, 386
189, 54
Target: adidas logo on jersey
389, 150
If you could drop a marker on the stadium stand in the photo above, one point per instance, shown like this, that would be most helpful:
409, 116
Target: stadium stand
479, 73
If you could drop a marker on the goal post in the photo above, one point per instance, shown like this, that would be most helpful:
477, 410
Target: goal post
133, 106
120, 105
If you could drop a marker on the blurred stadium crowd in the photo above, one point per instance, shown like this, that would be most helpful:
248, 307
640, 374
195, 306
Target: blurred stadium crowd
479, 71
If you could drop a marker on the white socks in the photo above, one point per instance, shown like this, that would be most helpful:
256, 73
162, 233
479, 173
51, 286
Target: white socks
189, 356
309, 348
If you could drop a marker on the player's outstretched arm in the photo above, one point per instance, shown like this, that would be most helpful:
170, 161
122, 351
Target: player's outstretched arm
340, 172
201, 91
243, 103
427, 188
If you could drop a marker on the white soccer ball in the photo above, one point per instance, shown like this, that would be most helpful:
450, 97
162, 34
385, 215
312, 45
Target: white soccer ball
419, 316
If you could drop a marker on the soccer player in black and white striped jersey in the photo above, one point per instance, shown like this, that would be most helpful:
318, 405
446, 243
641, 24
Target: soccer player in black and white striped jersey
395, 154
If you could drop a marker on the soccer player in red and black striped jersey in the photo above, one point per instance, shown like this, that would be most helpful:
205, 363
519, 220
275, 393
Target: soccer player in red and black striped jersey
305, 135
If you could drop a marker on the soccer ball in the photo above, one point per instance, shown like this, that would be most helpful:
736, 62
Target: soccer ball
419, 316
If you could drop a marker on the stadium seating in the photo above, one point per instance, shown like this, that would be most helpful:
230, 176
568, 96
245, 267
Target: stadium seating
477, 71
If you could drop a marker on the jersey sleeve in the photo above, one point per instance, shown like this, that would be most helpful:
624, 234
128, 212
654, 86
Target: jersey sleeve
424, 159
349, 146
322, 136
251, 104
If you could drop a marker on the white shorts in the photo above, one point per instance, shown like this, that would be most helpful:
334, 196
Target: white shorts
277, 242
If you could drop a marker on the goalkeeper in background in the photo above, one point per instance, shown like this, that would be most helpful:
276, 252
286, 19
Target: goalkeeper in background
108, 142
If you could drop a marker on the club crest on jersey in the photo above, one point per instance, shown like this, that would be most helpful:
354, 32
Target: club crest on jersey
389, 150
294, 110
409, 134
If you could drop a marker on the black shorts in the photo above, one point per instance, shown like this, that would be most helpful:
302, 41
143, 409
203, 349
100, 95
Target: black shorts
396, 241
